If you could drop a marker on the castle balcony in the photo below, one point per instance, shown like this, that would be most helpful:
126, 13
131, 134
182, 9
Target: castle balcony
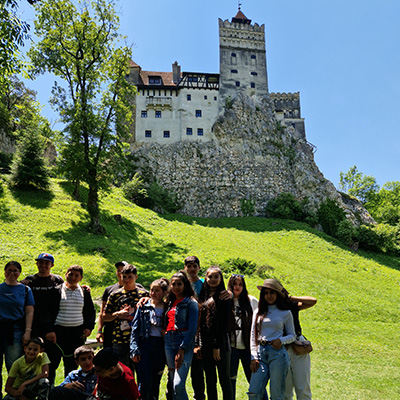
159, 102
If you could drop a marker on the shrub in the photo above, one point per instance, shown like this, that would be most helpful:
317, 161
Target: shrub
389, 238
134, 190
5, 162
239, 265
28, 167
247, 207
368, 239
329, 216
160, 199
346, 232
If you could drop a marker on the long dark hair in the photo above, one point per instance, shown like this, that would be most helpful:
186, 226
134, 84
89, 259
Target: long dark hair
245, 313
205, 292
263, 309
187, 290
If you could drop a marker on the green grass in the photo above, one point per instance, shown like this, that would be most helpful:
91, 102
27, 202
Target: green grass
353, 327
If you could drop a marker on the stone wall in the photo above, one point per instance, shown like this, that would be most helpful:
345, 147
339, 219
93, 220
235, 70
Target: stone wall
252, 157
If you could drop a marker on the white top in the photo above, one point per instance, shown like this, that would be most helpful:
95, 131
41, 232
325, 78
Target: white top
273, 326
70, 312
239, 343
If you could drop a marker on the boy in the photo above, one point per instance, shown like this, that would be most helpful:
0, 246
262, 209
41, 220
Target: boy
121, 308
80, 383
28, 375
115, 380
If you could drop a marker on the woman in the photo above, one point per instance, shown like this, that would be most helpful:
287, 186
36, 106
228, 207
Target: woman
298, 377
16, 315
271, 329
181, 326
147, 340
243, 306
214, 338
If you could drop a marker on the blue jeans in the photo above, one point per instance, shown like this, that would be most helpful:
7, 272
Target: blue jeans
274, 366
173, 340
11, 352
236, 356
151, 366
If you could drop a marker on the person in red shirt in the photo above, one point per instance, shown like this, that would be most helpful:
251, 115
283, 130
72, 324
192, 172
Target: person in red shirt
114, 379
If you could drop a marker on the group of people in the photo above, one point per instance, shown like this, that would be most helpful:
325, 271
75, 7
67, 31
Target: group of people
185, 323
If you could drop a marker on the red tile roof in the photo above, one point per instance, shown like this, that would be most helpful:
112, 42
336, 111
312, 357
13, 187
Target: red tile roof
166, 78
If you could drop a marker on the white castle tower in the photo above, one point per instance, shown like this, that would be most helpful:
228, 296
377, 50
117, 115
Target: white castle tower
243, 65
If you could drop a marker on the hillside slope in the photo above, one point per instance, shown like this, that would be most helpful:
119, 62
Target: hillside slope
353, 327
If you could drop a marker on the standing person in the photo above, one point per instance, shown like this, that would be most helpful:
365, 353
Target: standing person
16, 315
121, 308
46, 295
147, 340
272, 327
74, 322
104, 329
298, 377
214, 338
181, 326
243, 306
28, 375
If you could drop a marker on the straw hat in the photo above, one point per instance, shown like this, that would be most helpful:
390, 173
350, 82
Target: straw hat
272, 284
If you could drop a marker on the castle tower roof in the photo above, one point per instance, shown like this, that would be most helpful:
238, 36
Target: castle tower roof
241, 18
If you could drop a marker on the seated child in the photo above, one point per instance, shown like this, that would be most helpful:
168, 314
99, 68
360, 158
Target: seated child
114, 379
80, 383
27, 378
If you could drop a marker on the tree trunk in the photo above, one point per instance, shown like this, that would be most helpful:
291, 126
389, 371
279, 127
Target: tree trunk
93, 206
76, 189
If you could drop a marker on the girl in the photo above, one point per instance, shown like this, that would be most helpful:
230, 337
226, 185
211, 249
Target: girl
272, 327
181, 326
147, 340
214, 339
243, 306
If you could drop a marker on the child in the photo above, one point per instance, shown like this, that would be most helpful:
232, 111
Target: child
80, 383
181, 326
147, 340
115, 380
28, 374
121, 308
75, 320
214, 339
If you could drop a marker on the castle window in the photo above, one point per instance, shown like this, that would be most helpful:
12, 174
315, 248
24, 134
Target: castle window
200, 132
215, 98
198, 113
147, 133
205, 97
189, 131
144, 114
166, 134
253, 85
189, 97
253, 73
158, 114
234, 71
233, 54
237, 83
154, 80
253, 56
192, 79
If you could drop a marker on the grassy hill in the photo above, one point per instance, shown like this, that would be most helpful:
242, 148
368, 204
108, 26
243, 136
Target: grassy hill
353, 327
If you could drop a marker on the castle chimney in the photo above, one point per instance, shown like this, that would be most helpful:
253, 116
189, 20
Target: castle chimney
176, 72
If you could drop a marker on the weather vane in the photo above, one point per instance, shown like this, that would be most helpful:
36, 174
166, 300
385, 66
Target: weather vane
239, 5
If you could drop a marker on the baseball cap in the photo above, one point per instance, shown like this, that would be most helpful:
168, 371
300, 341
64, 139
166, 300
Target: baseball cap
45, 256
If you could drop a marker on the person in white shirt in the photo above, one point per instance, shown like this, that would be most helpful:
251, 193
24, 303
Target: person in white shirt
272, 328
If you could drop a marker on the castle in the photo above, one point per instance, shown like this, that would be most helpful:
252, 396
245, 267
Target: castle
176, 106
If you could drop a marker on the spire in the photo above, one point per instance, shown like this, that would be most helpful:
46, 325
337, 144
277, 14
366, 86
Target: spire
240, 17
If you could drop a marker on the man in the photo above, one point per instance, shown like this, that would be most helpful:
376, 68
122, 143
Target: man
43, 285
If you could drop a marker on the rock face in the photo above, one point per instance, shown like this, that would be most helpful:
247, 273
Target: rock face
252, 157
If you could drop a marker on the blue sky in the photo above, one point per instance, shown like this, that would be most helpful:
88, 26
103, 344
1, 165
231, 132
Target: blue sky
342, 56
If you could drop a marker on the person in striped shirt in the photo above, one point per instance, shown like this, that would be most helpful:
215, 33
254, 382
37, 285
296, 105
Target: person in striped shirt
75, 319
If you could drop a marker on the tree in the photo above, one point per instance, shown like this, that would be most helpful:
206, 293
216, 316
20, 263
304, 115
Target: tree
29, 169
78, 43
357, 184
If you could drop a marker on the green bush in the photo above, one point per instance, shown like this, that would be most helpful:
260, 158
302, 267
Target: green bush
345, 232
247, 206
389, 237
285, 206
368, 239
238, 265
134, 190
5, 162
329, 216
160, 199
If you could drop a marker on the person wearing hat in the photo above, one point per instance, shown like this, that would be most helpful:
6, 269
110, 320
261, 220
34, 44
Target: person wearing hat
45, 293
272, 328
